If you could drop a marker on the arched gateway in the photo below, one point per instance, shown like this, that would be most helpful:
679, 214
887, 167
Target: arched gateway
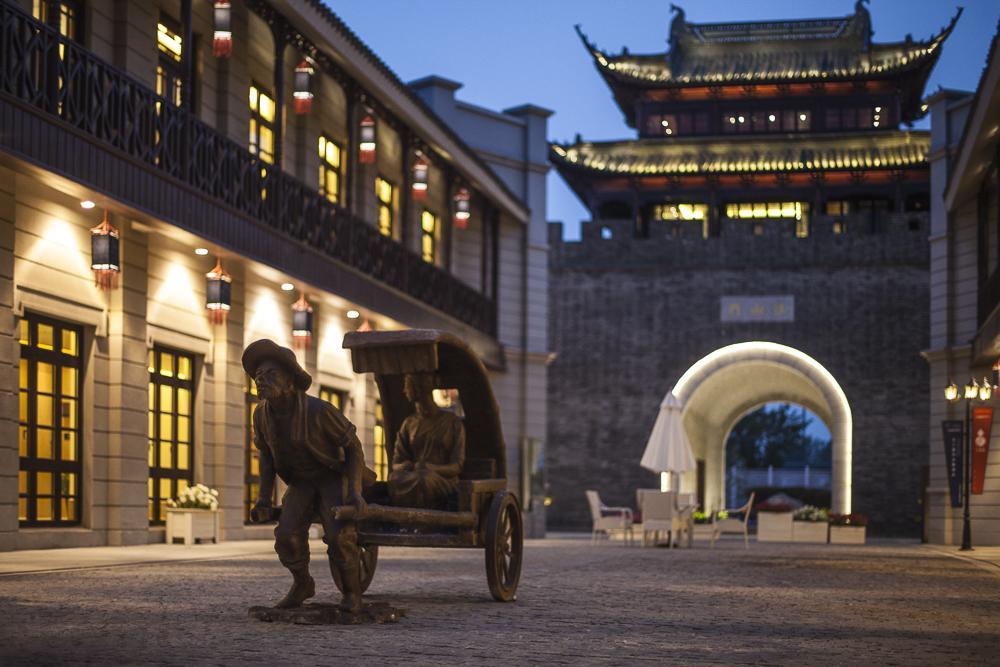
721, 387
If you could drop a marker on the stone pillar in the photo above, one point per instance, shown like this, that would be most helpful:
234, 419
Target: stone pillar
122, 466
135, 39
9, 354
225, 437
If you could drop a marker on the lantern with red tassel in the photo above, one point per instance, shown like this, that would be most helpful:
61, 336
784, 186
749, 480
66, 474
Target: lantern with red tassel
420, 169
302, 322
222, 44
303, 87
462, 209
218, 293
366, 143
104, 259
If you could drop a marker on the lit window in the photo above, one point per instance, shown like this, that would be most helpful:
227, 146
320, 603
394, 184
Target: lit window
428, 236
69, 17
261, 124
839, 227
334, 397
837, 207
169, 73
680, 211
49, 434
329, 169
787, 210
170, 428
380, 460
606, 233
385, 193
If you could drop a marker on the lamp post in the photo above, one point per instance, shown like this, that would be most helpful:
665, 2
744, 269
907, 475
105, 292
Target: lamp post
972, 391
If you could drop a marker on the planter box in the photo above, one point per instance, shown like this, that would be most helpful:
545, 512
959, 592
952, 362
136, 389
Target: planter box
702, 531
847, 534
774, 526
192, 524
813, 532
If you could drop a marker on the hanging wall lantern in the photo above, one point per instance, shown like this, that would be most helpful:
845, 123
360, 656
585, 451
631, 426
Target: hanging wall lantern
222, 44
462, 208
104, 258
302, 322
420, 169
303, 87
218, 293
366, 143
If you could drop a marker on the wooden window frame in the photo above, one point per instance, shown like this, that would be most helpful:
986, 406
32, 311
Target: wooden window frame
31, 465
326, 393
158, 472
257, 121
387, 205
170, 69
325, 168
433, 237
40, 11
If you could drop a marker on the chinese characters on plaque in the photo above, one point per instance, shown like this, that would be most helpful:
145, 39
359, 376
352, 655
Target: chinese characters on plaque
757, 308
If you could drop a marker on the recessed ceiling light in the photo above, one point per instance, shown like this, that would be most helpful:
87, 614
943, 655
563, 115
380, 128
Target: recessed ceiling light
87, 204
353, 314
201, 251
288, 287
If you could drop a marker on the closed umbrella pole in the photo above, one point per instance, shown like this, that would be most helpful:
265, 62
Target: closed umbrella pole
668, 449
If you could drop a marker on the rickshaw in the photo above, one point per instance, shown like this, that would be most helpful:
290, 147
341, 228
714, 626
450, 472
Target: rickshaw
484, 514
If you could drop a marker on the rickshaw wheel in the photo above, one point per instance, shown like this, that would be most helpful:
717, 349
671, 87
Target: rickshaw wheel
504, 545
368, 554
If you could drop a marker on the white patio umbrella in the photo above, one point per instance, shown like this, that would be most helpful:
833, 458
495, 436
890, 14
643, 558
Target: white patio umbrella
668, 449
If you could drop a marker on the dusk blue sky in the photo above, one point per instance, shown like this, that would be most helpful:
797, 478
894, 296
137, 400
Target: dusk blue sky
525, 51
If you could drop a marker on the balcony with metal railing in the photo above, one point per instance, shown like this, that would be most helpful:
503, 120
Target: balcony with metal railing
57, 79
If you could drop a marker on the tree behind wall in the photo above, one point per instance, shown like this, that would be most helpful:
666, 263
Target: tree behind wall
776, 435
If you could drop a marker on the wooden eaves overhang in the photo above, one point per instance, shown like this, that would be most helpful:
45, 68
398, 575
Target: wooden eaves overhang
754, 61
745, 154
322, 26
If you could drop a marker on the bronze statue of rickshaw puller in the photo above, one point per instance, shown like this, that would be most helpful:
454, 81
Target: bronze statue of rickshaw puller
316, 452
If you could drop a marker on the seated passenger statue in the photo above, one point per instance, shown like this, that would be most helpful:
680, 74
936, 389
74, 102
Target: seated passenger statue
429, 450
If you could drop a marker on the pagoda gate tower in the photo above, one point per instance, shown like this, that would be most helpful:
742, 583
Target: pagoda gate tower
763, 238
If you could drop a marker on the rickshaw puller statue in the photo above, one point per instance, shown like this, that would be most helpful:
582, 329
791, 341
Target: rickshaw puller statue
316, 452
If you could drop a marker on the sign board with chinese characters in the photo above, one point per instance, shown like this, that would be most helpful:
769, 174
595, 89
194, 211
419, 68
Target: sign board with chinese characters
757, 308
982, 420
953, 430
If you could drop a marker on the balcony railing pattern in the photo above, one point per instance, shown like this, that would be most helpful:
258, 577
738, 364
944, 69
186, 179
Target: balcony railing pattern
59, 77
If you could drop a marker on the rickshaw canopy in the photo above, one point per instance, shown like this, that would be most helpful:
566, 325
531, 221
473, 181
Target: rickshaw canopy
391, 355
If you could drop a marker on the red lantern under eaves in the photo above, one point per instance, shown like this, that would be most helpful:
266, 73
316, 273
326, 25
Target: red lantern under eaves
366, 142
303, 95
222, 43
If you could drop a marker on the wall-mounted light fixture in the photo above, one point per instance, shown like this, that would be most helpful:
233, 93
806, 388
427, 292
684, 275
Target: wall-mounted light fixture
218, 293
104, 254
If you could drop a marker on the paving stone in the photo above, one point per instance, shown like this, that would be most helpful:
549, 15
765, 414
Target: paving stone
578, 603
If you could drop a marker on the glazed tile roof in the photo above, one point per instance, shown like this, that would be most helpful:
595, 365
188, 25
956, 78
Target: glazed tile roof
765, 66
743, 155
772, 51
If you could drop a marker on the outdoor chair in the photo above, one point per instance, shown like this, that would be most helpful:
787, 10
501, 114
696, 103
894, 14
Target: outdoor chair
730, 525
607, 519
660, 515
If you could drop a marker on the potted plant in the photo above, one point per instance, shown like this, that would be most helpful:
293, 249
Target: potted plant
774, 522
810, 525
194, 515
848, 528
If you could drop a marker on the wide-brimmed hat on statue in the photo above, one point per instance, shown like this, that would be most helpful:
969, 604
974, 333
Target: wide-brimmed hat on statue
263, 350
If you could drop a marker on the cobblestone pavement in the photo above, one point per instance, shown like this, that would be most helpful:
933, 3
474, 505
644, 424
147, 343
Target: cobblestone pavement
774, 604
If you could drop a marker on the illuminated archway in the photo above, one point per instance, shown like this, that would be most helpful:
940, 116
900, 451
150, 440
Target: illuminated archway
721, 387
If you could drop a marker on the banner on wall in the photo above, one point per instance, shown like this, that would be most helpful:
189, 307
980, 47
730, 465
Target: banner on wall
982, 420
952, 430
